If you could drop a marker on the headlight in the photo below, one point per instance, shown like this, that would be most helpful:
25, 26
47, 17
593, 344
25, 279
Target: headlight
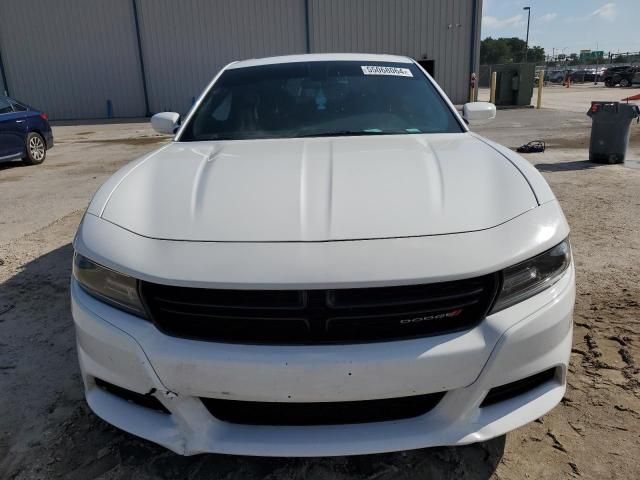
116, 289
530, 277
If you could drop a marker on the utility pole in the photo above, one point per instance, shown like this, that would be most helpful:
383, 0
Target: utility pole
526, 46
595, 78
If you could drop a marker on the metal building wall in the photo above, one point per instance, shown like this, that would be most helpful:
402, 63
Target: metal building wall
185, 43
69, 57
439, 30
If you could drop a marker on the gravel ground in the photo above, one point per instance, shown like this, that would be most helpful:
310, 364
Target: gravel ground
47, 431
575, 99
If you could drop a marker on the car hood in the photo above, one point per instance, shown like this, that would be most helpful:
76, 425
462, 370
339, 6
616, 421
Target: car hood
319, 189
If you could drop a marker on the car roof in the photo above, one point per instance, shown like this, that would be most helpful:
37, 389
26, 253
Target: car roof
320, 57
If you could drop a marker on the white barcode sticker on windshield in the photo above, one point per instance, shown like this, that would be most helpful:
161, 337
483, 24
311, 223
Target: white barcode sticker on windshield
380, 70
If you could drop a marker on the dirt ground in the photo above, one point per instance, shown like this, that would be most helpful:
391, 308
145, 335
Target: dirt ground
47, 430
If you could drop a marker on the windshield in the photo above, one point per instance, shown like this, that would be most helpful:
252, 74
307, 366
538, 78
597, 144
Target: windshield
328, 98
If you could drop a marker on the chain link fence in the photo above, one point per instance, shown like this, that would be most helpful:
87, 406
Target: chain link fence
559, 72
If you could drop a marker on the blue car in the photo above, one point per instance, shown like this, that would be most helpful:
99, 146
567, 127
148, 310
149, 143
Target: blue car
25, 132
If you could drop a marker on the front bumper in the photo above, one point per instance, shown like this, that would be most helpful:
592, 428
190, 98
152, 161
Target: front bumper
523, 340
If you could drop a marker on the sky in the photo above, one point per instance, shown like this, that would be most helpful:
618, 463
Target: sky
566, 25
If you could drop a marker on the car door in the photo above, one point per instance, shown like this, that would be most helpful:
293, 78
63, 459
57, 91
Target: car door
13, 130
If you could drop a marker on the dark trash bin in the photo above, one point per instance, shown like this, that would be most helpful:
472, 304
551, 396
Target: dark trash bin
610, 130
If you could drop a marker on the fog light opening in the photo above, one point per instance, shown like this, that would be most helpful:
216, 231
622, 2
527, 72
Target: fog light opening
519, 387
142, 400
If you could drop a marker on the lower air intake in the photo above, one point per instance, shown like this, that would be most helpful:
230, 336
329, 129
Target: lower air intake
321, 413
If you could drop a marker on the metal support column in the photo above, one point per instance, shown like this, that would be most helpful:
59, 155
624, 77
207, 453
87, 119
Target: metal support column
3, 74
474, 46
306, 25
140, 56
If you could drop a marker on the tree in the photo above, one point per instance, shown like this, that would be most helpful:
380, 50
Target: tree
508, 50
494, 51
516, 46
535, 54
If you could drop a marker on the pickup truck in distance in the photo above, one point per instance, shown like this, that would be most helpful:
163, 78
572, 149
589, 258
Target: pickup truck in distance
625, 76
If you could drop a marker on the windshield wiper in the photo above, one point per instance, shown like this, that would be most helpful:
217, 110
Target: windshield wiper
344, 133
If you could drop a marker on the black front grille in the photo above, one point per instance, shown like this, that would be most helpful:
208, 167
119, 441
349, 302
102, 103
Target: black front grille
290, 317
321, 413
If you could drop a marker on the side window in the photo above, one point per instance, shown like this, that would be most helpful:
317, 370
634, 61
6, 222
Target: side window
5, 107
18, 107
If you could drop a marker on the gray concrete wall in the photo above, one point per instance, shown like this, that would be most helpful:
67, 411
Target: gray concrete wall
69, 57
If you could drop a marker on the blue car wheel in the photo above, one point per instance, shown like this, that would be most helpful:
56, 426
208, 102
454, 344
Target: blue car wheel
36, 149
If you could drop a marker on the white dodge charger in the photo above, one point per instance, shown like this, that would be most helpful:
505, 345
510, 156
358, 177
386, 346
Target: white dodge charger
324, 261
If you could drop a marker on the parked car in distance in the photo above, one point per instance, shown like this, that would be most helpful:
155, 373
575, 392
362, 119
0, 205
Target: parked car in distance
583, 76
324, 261
554, 76
25, 132
624, 76
551, 76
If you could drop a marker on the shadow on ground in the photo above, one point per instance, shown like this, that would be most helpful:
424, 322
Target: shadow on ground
568, 166
11, 164
47, 430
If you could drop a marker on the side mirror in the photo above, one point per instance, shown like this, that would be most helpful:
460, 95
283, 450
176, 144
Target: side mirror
165, 122
478, 112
